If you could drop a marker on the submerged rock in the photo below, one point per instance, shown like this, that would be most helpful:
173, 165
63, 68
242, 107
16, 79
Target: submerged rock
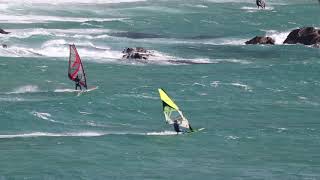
261, 40
136, 53
306, 36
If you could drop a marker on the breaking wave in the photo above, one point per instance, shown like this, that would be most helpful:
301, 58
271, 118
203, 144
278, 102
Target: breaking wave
279, 37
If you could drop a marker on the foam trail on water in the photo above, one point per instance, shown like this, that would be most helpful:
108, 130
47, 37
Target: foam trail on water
42, 115
246, 87
65, 90
56, 2
86, 33
25, 89
27, 19
163, 133
45, 134
47, 117
255, 9
84, 134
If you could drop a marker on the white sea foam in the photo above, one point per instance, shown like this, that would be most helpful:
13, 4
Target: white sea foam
232, 137
86, 113
25, 89
42, 115
246, 87
255, 9
163, 133
282, 129
65, 90
11, 99
84, 134
209, 41
278, 2
201, 6
279, 37
236, 84
226, 41
27, 19
240, 61
45, 116
56, 2
58, 47
15, 51
80, 33
215, 83
89, 51
46, 134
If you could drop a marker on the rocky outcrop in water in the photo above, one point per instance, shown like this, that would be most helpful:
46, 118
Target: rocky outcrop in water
306, 36
261, 40
136, 53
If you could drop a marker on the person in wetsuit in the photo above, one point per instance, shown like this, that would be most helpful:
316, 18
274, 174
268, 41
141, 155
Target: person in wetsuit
176, 126
77, 81
261, 3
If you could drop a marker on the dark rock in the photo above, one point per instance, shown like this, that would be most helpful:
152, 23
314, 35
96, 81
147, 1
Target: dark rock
3, 31
4, 46
136, 53
127, 50
261, 40
306, 36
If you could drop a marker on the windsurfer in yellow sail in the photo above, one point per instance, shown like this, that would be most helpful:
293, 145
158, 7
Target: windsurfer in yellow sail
173, 115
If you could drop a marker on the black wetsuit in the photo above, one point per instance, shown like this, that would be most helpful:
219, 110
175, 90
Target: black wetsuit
77, 81
261, 3
176, 127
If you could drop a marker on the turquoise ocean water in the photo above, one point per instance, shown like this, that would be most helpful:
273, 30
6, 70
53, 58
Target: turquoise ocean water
259, 104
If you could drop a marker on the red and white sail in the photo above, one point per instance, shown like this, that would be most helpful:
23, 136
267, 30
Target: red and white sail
75, 67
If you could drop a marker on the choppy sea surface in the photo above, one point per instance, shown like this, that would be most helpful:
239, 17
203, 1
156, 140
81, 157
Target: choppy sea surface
259, 104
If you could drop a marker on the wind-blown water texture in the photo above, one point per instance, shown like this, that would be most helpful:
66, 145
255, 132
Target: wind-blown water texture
259, 104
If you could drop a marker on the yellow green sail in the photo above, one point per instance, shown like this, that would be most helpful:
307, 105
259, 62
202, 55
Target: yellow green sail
171, 110
165, 98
